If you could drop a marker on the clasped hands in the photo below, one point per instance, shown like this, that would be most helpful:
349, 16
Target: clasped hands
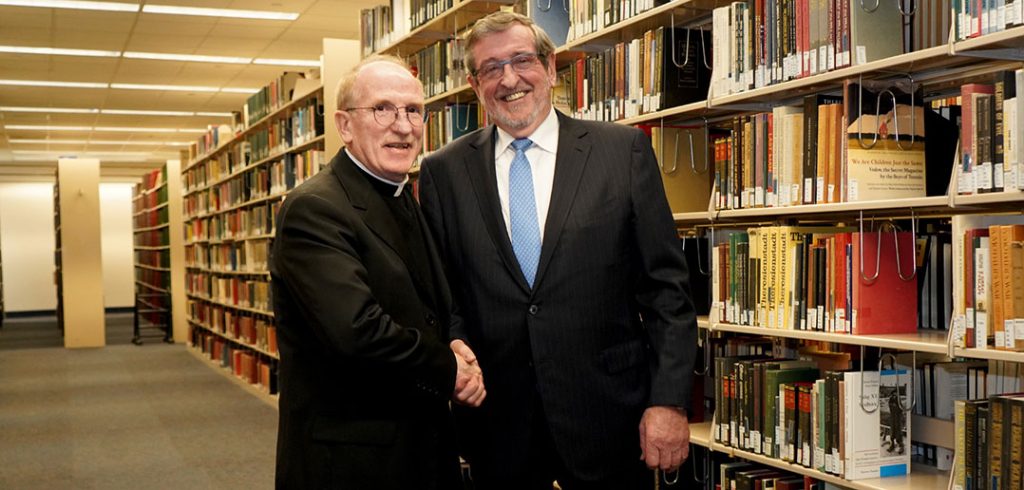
469, 379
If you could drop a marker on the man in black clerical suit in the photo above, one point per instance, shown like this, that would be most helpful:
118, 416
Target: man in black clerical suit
363, 308
571, 285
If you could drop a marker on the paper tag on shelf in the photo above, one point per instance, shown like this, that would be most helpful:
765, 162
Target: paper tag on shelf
1018, 335
966, 183
997, 175
759, 196
862, 55
812, 319
813, 61
959, 331
1010, 180
806, 455
853, 319
794, 194
823, 53
1000, 339
755, 441
983, 176
808, 190
831, 58
766, 446
981, 330
1009, 333
819, 188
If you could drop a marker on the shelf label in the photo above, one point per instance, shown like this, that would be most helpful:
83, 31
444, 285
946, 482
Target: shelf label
755, 440
983, 176
997, 175
981, 330
959, 331
862, 55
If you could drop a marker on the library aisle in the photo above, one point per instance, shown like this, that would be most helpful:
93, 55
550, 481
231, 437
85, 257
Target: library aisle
126, 416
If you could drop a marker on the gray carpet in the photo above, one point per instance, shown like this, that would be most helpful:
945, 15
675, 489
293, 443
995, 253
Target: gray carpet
126, 416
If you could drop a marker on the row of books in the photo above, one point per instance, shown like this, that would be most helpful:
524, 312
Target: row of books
666, 67
153, 258
979, 17
764, 42
376, 26
215, 136
247, 256
243, 363
153, 238
826, 278
251, 329
258, 182
197, 255
990, 443
270, 97
860, 146
440, 66
151, 218
154, 278
991, 155
450, 122
589, 16
993, 272
215, 168
242, 223
745, 475
851, 423
234, 291
148, 200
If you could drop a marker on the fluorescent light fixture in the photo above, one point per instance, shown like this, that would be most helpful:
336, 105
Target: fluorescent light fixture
239, 90
177, 88
134, 129
214, 114
48, 83
131, 112
33, 127
191, 130
59, 51
209, 12
97, 142
74, 4
186, 57
60, 110
286, 62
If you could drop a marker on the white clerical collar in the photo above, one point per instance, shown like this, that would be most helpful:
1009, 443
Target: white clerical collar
544, 137
399, 185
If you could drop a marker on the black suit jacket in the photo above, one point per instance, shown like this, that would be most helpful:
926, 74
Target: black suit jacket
608, 329
365, 371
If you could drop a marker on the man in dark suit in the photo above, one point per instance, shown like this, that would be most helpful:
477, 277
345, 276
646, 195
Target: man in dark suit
363, 308
569, 278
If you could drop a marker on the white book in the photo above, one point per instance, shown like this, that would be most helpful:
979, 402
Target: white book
876, 425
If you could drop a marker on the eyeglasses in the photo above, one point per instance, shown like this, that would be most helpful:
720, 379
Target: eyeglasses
521, 63
386, 114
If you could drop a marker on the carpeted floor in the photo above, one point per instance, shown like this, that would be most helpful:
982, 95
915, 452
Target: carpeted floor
124, 416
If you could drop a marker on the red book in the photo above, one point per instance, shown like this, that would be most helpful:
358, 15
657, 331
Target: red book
883, 302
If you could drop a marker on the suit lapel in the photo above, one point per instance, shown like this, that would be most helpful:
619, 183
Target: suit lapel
482, 175
369, 204
570, 162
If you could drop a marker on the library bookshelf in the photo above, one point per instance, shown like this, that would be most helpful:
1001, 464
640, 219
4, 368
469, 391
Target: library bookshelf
152, 262
231, 194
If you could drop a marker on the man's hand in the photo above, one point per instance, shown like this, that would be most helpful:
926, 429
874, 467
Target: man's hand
664, 438
469, 379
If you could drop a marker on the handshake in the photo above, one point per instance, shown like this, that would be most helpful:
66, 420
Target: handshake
469, 379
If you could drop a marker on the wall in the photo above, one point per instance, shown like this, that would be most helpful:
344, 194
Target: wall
27, 238
118, 256
27, 242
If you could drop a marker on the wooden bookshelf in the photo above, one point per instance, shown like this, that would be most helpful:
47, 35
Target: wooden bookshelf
922, 341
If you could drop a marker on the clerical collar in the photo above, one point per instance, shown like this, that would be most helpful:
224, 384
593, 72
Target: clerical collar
400, 186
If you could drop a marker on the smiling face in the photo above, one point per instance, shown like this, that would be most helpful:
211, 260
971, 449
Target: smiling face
386, 151
518, 102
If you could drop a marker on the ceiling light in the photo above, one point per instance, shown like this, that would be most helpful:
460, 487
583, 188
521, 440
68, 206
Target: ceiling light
74, 4
62, 110
48, 83
178, 88
237, 90
285, 62
234, 13
186, 57
190, 130
131, 112
97, 142
58, 51
31, 127
215, 114
134, 129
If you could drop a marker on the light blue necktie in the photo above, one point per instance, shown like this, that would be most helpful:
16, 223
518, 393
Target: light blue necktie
522, 210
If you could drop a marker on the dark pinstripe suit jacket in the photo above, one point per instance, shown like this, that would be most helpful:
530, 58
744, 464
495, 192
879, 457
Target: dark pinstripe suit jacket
609, 327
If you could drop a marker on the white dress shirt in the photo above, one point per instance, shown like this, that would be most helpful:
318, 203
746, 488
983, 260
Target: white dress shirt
541, 155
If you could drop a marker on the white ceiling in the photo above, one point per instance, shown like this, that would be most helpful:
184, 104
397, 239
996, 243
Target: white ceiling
155, 33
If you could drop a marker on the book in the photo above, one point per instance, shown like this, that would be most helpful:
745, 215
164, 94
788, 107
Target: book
884, 298
876, 426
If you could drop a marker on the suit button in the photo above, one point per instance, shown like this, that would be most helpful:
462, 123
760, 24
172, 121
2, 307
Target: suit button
533, 309
431, 320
